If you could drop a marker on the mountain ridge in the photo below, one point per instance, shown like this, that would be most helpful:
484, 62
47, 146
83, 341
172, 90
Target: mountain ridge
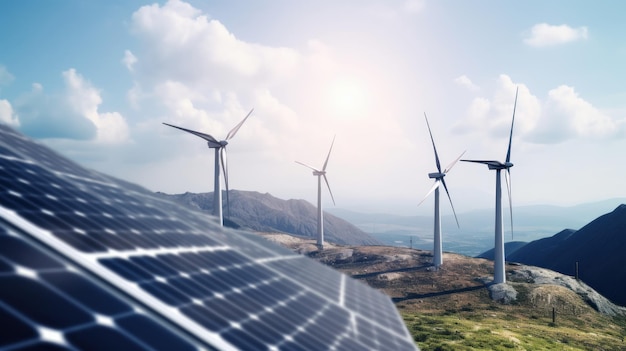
265, 213
596, 249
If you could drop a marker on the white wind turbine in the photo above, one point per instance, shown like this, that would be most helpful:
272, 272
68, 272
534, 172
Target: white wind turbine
439, 180
499, 275
320, 215
220, 160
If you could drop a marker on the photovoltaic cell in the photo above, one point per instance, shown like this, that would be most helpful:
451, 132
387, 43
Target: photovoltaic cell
88, 261
47, 304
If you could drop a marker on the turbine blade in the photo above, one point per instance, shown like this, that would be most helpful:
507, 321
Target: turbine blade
204, 136
454, 162
507, 177
327, 157
434, 147
233, 131
435, 186
224, 161
443, 181
508, 153
486, 162
330, 191
307, 166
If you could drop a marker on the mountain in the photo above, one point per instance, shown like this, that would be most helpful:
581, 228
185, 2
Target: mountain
266, 213
475, 234
598, 247
509, 248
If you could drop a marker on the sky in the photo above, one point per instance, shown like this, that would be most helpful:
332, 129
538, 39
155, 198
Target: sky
94, 80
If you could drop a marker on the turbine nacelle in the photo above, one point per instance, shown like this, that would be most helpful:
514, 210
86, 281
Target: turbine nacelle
319, 173
499, 165
217, 145
436, 175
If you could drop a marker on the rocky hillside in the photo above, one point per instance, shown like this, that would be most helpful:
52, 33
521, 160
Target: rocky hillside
598, 247
266, 213
456, 307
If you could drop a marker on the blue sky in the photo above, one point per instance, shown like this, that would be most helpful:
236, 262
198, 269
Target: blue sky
94, 80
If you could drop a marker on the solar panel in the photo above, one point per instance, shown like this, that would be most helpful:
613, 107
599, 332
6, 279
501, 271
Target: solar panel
88, 261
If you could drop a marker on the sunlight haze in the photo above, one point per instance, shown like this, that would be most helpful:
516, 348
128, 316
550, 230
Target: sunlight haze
95, 81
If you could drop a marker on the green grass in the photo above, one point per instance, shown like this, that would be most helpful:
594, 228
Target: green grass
506, 330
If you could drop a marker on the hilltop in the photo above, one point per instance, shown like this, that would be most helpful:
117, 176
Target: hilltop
265, 213
455, 308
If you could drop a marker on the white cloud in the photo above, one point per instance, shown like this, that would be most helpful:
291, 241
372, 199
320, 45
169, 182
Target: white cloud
196, 50
7, 116
5, 76
562, 115
84, 99
543, 34
464, 81
493, 116
566, 115
48, 115
129, 60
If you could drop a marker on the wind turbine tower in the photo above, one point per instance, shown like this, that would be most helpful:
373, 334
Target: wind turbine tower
220, 162
499, 274
439, 180
320, 214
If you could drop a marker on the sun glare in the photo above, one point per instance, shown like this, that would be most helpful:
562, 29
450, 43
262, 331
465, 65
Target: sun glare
347, 98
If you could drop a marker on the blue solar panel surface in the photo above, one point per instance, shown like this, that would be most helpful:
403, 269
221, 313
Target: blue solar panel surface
91, 262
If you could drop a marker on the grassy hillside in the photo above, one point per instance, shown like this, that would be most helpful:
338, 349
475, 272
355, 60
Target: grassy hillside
451, 309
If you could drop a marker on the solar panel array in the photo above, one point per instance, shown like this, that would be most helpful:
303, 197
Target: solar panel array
88, 261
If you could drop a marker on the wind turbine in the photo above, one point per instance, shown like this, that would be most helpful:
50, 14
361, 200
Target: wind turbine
439, 180
499, 275
220, 160
320, 215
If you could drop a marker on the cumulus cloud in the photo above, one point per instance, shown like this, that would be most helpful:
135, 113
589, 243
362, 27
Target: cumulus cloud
566, 116
129, 60
7, 116
544, 34
196, 49
561, 116
71, 114
84, 99
465, 82
493, 116
5, 76
45, 116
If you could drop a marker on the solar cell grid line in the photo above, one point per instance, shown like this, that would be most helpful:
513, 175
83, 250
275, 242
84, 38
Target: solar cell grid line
327, 282
47, 303
372, 304
188, 242
365, 302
